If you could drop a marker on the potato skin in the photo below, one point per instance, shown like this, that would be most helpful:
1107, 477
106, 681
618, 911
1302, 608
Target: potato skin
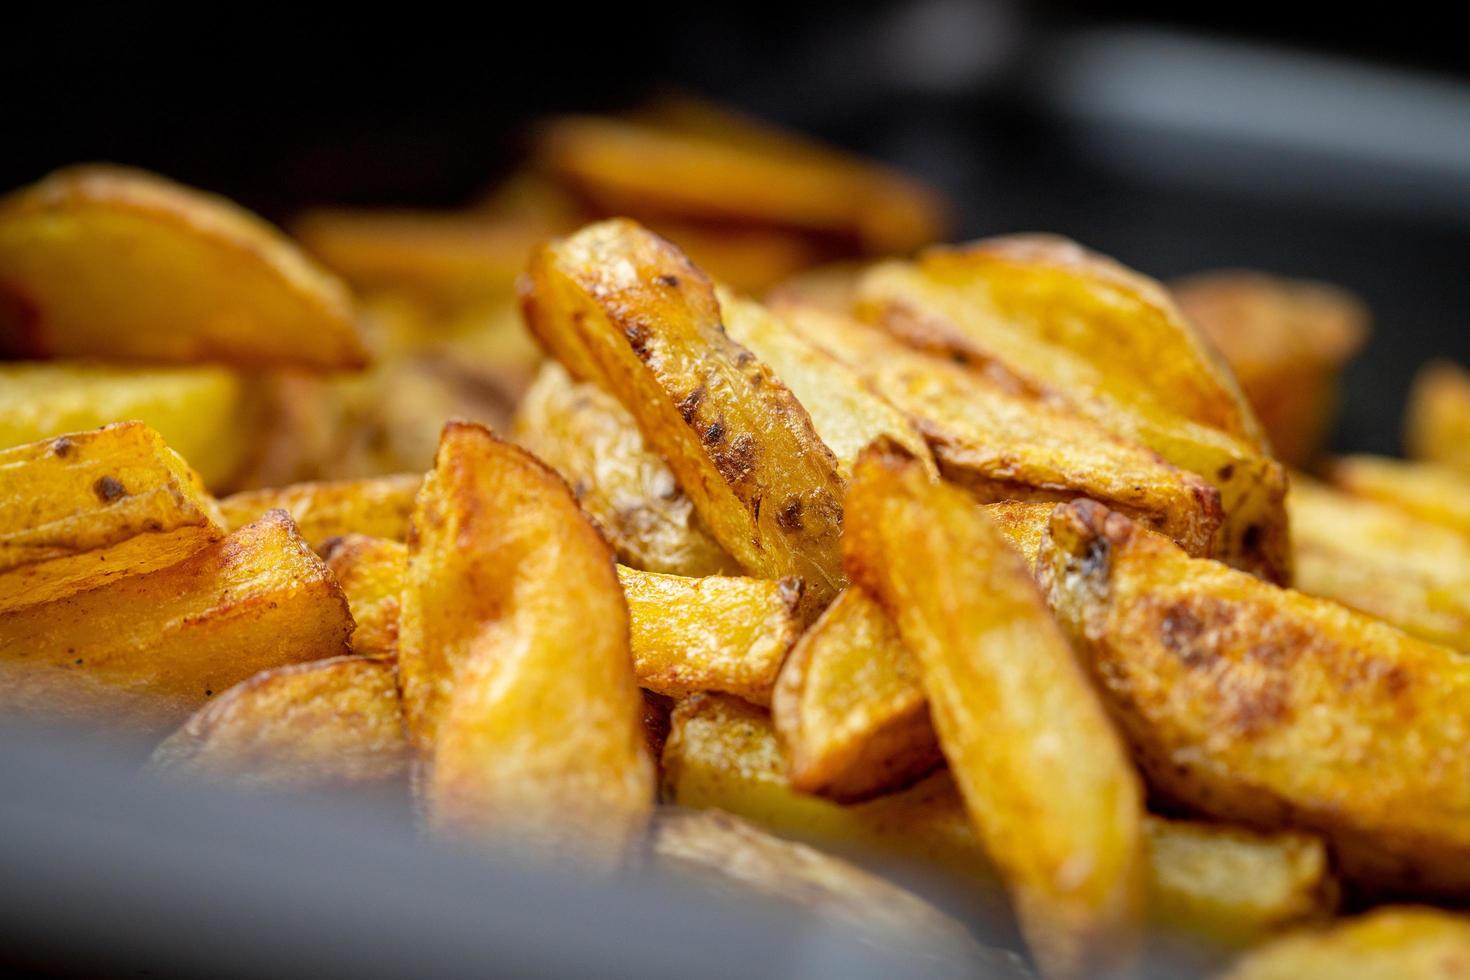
625, 309
518, 687
102, 261
1254, 704
320, 725
1389, 943
142, 653
1044, 776
375, 506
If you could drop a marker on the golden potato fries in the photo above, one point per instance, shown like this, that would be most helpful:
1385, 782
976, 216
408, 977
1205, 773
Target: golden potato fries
1286, 341
1382, 561
588, 437
747, 258
1390, 943
142, 653
1250, 703
758, 177
206, 414
846, 415
1221, 882
377, 506
1437, 423
517, 683
1436, 494
101, 261
1043, 775
731, 851
325, 724
625, 309
1002, 444
82, 510
1055, 319
371, 572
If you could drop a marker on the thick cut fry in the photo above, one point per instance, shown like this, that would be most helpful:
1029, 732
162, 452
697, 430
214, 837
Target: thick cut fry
1003, 444
86, 509
377, 506
1437, 423
326, 724
518, 687
143, 653
1085, 332
1260, 705
730, 851
847, 415
371, 572
588, 437
715, 633
1286, 341
1222, 882
102, 261
1390, 943
625, 309
1043, 775
206, 414
1436, 494
1382, 561
761, 177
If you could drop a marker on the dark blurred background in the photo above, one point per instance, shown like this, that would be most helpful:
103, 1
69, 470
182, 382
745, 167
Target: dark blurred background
1176, 137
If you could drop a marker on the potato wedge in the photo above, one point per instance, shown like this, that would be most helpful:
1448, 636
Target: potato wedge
517, 683
371, 572
1053, 318
85, 509
1286, 341
1382, 561
1002, 444
748, 258
206, 414
101, 261
588, 437
1390, 943
1259, 705
377, 506
845, 413
141, 654
763, 177
325, 724
1224, 883
1437, 422
1436, 494
732, 852
625, 309
717, 633
1043, 775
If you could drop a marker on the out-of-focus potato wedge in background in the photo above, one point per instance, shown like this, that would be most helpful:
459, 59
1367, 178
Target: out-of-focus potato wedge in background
621, 307
1287, 341
1380, 560
100, 261
1437, 422
379, 506
207, 414
1214, 881
85, 509
371, 572
1044, 776
733, 852
518, 686
588, 437
1437, 494
1246, 702
1053, 318
1003, 444
142, 653
327, 724
1390, 943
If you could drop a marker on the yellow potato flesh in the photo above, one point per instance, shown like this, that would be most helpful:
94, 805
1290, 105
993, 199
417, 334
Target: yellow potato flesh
1437, 494
371, 573
1390, 943
376, 506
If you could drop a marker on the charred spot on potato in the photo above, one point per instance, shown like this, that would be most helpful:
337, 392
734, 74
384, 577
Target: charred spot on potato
1226, 472
689, 404
715, 432
62, 447
637, 335
789, 516
666, 279
108, 489
735, 460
